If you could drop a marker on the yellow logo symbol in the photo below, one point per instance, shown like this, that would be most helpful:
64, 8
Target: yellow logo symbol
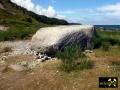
112, 82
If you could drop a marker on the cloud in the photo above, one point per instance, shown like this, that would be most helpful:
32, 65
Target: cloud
67, 12
110, 9
53, 1
29, 5
107, 14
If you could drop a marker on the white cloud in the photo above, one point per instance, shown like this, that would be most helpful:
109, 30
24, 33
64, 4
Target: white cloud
29, 5
67, 12
53, 1
106, 14
111, 9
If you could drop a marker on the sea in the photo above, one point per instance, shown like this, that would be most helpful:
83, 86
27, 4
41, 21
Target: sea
108, 27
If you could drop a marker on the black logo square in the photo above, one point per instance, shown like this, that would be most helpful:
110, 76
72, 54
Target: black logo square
108, 82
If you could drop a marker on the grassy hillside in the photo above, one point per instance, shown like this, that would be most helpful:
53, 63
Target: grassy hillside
22, 23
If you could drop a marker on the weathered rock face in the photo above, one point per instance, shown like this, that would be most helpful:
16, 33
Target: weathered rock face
51, 39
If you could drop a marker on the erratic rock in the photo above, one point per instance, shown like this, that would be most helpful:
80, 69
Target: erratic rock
51, 39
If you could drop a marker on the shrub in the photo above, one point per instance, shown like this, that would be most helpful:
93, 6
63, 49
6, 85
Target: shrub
111, 41
96, 42
105, 46
28, 20
119, 44
73, 59
104, 42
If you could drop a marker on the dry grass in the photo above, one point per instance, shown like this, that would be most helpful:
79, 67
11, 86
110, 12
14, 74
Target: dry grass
47, 76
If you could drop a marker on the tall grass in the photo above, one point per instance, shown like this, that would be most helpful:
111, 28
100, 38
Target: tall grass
106, 39
73, 59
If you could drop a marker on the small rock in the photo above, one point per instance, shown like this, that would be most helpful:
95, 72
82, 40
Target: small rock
32, 65
43, 60
49, 58
3, 61
4, 58
23, 63
41, 56
91, 51
57, 71
46, 57
18, 67
39, 60
88, 51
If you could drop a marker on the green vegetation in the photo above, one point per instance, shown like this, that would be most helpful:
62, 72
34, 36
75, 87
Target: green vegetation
105, 39
19, 29
113, 51
105, 43
108, 42
106, 46
17, 11
73, 59
22, 23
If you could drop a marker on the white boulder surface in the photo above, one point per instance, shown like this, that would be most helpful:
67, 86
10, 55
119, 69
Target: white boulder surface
51, 39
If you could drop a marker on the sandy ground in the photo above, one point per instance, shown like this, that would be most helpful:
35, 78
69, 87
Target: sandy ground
47, 76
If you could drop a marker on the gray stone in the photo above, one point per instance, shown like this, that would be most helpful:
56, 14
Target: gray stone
41, 56
88, 51
23, 63
51, 39
17, 67
3, 60
32, 65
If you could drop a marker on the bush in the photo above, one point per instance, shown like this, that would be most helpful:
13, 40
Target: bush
73, 59
96, 42
29, 20
111, 41
106, 46
104, 42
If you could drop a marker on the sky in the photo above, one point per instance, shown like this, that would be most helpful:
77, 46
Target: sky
95, 12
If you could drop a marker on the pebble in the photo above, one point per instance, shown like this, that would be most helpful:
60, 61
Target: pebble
18, 67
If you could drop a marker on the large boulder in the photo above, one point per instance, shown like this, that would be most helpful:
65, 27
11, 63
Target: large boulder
51, 39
